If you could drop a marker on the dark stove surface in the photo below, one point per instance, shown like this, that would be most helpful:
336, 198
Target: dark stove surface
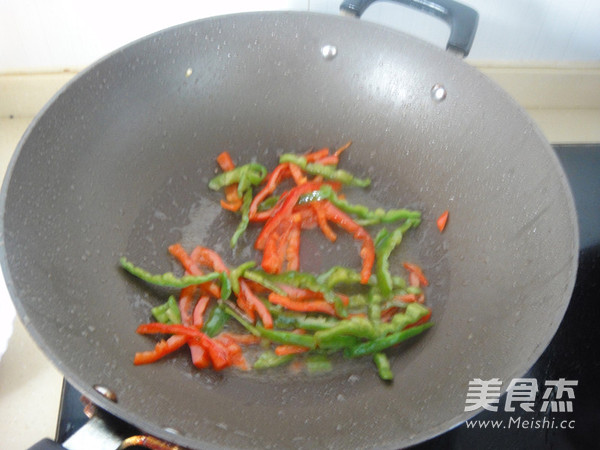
570, 356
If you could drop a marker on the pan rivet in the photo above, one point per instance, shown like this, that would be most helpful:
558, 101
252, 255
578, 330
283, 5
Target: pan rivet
438, 92
106, 392
329, 52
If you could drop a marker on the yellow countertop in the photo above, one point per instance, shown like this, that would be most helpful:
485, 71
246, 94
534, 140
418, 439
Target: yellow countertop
564, 101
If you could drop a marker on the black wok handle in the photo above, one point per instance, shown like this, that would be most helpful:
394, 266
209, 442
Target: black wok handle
462, 19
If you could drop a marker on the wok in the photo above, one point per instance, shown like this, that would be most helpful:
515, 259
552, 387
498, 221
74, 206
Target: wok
118, 164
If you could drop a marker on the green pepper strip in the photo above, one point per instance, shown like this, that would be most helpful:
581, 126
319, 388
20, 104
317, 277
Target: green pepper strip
355, 326
338, 275
225, 285
304, 322
399, 282
167, 279
383, 251
374, 306
286, 337
245, 210
168, 312
380, 344
216, 321
269, 359
277, 336
392, 215
268, 203
357, 301
383, 366
326, 171
414, 290
260, 278
412, 313
365, 216
245, 176
340, 342
237, 273
383, 234
307, 281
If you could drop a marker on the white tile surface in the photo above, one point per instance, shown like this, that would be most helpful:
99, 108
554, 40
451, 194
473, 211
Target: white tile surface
58, 34
61, 34
30, 386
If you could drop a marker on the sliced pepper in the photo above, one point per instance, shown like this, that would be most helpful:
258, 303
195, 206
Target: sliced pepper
245, 219
380, 344
246, 176
161, 349
167, 279
383, 251
168, 312
354, 326
270, 359
383, 366
367, 252
216, 321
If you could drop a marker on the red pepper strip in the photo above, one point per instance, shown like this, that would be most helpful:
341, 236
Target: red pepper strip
199, 309
279, 173
164, 328
442, 220
322, 221
413, 268
282, 245
414, 280
307, 306
329, 160
179, 252
421, 321
235, 354
297, 174
367, 251
200, 357
243, 339
407, 298
274, 251
225, 161
307, 216
218, 354
245, 305
300, 294
190, 266
263, 216
335, 158
208, 258
387, 314
234, 202
316, 155
161, 349
284, 212
290, 349
292, 252
186, 304
234, 206
257, 305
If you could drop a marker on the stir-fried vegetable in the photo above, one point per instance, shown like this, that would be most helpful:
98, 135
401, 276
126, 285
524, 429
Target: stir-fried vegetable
442, 220
294, 315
